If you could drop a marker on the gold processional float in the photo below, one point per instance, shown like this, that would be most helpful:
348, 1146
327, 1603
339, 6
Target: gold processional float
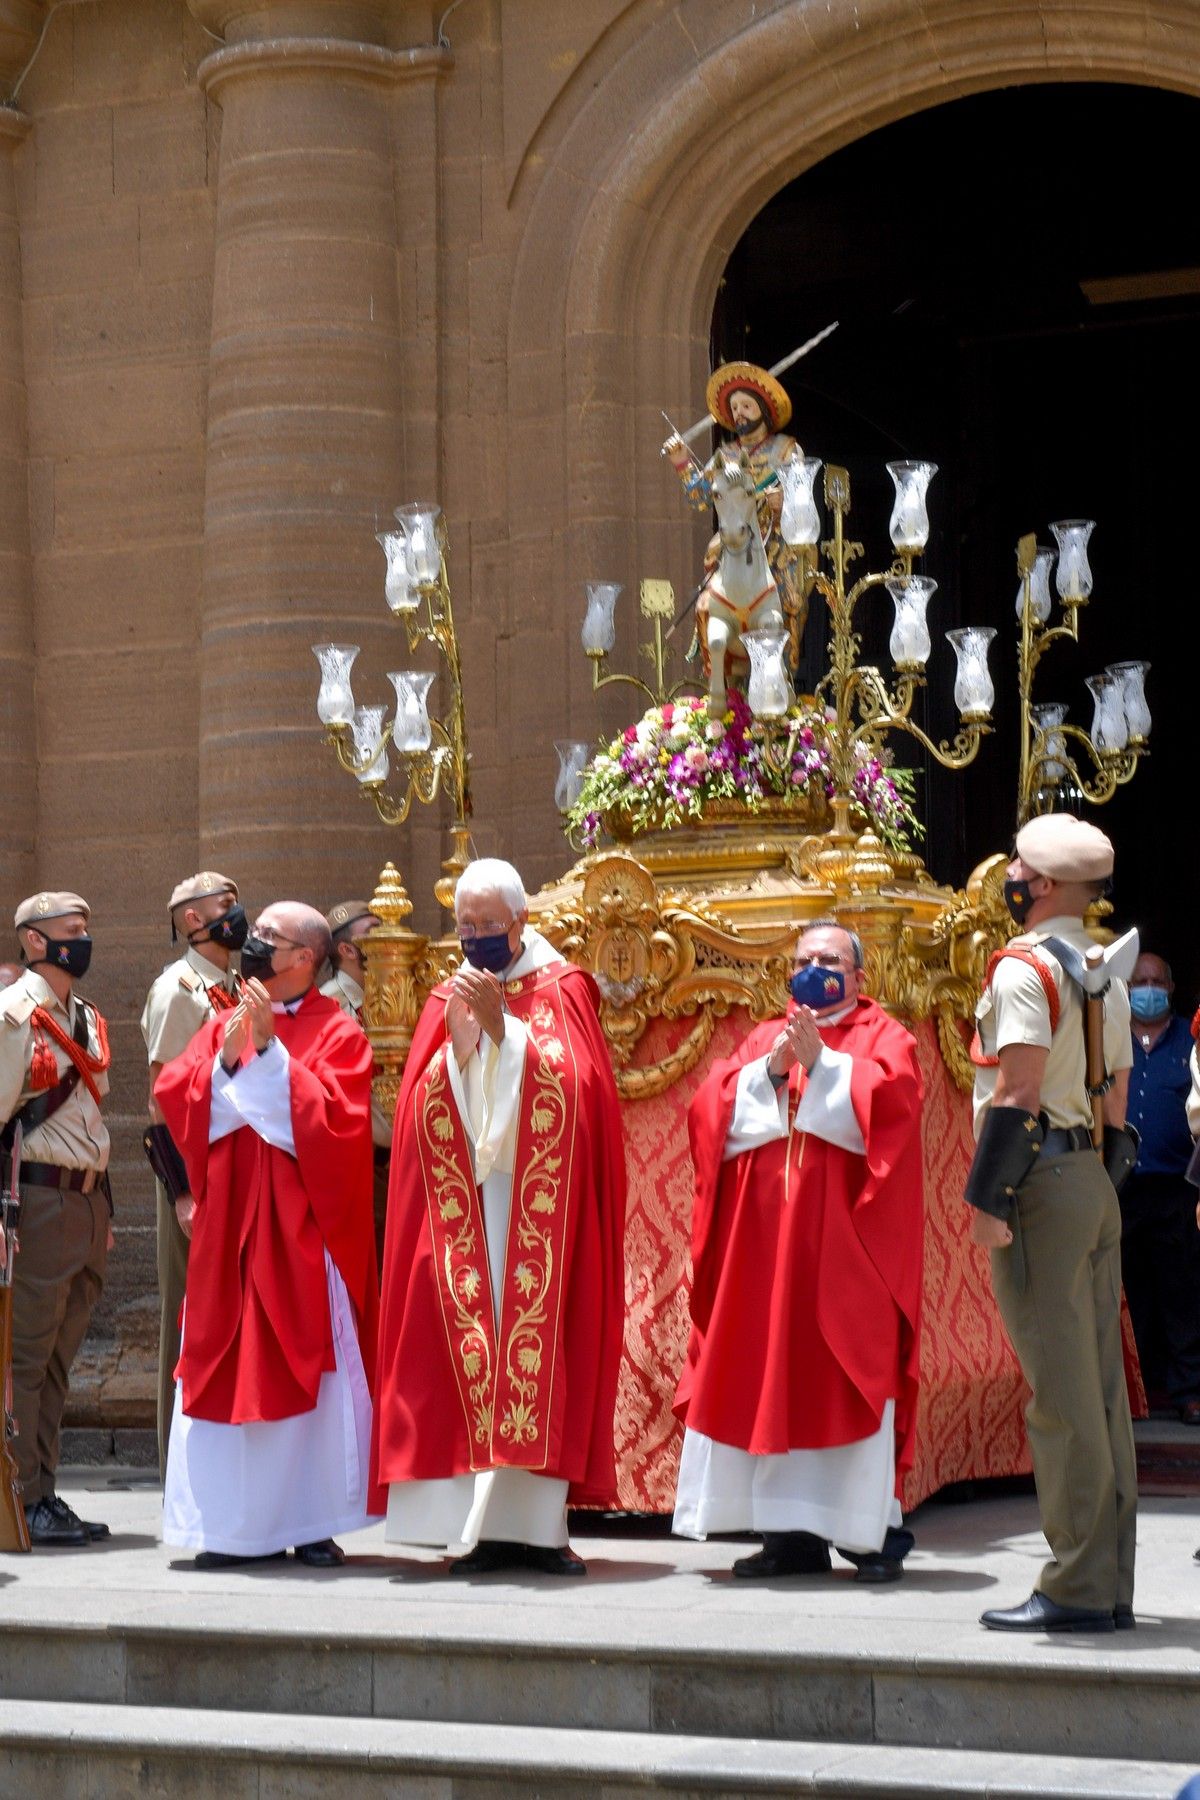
729, 832
732, 817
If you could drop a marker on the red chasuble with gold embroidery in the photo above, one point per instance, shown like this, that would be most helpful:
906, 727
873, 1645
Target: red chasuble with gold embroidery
808, 1259
461, 1389
258, 1335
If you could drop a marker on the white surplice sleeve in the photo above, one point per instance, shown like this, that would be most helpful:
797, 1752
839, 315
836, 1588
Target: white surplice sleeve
825, 1109
759, 1111
259, 1095
486, 1092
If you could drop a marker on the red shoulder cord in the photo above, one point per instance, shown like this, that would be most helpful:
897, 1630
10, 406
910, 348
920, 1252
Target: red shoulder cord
220, 998
43, 1070
1049, 986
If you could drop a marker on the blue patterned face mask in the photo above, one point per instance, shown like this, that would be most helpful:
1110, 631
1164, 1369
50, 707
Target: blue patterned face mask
817, 987
1149, 1002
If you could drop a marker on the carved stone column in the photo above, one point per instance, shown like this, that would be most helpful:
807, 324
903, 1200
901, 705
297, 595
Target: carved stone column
304, 426
18, 747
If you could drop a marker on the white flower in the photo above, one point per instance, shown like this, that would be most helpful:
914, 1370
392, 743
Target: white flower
681, 728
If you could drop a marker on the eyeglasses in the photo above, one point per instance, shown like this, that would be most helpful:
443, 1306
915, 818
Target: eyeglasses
488, 928
824, 959
269, 935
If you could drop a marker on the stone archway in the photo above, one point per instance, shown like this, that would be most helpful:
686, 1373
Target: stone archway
621, 252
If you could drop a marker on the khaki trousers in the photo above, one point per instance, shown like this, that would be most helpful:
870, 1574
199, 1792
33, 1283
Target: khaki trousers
1059, 1289
57, 1278
172, 1279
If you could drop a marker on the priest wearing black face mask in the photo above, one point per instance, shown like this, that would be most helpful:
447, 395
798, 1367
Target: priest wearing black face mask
206, 915
799, 1390
503, 1291
54, 1062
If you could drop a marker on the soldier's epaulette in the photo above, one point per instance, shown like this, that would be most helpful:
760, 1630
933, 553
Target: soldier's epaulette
189, 979
19, 1009
1196, 1025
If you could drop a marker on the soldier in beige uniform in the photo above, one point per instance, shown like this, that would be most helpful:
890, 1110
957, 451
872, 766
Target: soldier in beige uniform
350, 921
1047, 1209
54, 1060
204, 912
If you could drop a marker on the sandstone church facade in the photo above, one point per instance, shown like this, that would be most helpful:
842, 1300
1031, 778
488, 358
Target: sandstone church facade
269, 268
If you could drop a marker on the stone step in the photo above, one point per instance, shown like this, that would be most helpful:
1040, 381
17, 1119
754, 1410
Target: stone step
1003, 1696
59, 1751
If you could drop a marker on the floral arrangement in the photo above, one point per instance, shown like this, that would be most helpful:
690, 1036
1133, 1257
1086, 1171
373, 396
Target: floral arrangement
676, 760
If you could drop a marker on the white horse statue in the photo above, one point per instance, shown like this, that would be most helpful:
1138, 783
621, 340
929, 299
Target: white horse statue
740, 593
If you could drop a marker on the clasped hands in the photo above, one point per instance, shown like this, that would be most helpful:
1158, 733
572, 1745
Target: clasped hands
475, 1009
250, 1021
798, 1042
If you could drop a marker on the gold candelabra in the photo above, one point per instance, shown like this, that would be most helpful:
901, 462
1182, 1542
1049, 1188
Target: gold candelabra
432, 752
1051, 748
865, 709
656, 601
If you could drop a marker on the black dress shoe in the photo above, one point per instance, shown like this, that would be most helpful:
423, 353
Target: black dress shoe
221, 1559
489, 1555
48, 1529
94, 1528
1040, 1614
1189, 1412
785, 1553
324, 1554
548, 1560
1123, 1619
886, 1563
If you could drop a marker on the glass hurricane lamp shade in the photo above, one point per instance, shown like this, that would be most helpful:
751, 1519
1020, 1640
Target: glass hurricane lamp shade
367, 726
573, 758
799, 521
398, 588
974, 694
770, 690
909, 523
599, 627
1047, 716
1110, 734
1073, 578
1039, 587
411, 733
335, 698
1132, 679
420, 525
910, 643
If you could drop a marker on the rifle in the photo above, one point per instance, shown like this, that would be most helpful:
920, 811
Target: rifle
14, 1530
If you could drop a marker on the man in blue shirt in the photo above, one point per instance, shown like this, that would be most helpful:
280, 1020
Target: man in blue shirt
1160, 1245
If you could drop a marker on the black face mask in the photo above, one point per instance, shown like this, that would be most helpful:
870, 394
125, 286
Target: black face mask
229, 931
72, 955
1018, 899
256, 958
492, 952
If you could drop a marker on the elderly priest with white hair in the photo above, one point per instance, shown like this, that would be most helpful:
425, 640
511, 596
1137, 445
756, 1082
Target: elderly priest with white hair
503, 1290
270, 1106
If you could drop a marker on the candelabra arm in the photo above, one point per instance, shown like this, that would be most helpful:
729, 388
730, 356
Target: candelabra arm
348, 759
634, 681
956, 753
423, 783
1111, 772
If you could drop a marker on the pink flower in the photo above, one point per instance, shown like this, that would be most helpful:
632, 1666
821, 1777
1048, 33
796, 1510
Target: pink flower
696, 758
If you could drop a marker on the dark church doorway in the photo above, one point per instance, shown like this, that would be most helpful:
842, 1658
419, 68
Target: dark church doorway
1017, 277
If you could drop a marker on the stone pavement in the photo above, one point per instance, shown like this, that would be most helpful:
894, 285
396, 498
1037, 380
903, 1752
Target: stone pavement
659, 1653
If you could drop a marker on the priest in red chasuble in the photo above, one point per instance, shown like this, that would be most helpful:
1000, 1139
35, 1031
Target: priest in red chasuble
799, 1390
270, 1106
503, 1287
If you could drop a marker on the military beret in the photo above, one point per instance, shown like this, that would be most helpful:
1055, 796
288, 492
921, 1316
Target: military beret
1064, 848
201, 887
348, 912
40, 908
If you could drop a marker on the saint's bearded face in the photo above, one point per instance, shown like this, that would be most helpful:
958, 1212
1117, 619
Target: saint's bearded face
745, 409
